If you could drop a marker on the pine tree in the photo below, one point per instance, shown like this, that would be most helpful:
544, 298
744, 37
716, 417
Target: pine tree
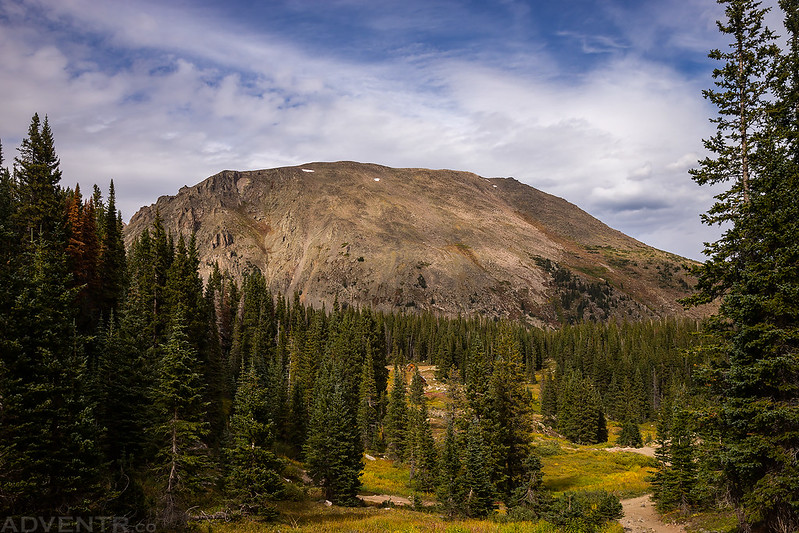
674, 482
421, 446
40, 212
253, 476
180, 429
50, 461
333, 451
752, 268
368, 403
395, 423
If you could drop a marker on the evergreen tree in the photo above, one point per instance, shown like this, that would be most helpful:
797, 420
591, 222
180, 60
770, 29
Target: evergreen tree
112, 256
530, 499
368, 403
549, 397
630, 435
752, 268
395, 423
50, 462
580, 416
421, 446
37, 173
180, 429
83, 251
675, 480
475, 483
333, 450
449, 488
253, 468
507, 417
121, 392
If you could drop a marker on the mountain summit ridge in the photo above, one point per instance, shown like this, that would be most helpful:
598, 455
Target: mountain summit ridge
447, 241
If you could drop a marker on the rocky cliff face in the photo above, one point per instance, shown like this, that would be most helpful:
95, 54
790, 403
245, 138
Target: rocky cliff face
416, 239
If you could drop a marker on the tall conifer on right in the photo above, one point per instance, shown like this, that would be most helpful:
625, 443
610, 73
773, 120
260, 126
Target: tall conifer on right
753, 268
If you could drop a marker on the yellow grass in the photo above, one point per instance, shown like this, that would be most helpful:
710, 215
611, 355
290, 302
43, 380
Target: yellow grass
382, 476
585, 468
316, 517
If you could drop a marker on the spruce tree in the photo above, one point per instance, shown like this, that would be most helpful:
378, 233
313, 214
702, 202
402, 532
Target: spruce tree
37, 173
395, 423
333, 450
752, 268
112, 256
449, 488
182, 459
50, 461
83, 251
368, 403
475, 483
253, 469
580, 416
530, 499
630, 435
507, 417
549, 397
675, 481
421, 446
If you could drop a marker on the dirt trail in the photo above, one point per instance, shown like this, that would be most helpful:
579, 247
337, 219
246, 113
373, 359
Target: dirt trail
649, 451
395, 500
640, 516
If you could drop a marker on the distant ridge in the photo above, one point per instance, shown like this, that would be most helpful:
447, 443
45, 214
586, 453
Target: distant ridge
416, 239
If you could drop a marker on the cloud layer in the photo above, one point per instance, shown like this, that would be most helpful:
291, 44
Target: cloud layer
158, 97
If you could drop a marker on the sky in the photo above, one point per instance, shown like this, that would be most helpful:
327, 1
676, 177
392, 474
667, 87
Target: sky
596, 101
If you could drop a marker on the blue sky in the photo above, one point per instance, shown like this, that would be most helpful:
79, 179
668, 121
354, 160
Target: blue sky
597, 101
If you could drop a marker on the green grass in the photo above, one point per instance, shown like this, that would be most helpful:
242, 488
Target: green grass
712, 522
382, 476
585, 468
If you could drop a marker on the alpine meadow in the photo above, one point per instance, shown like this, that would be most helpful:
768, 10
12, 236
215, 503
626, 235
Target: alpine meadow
344, 346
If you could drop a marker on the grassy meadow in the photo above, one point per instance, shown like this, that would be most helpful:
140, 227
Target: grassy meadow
567, 467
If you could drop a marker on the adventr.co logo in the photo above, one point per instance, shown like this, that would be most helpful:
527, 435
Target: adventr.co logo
74, 524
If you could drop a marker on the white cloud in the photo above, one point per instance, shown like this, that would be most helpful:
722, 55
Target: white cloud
205, 96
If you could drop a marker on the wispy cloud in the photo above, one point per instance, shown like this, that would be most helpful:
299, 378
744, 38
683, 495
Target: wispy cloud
157, 97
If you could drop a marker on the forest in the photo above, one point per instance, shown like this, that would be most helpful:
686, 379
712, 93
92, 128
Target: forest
133, 388
130, 387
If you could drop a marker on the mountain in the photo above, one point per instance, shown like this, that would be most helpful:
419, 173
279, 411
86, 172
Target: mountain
417, 239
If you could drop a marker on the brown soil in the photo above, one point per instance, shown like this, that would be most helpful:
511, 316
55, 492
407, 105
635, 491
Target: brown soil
640, 516
649, 451
393, 499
